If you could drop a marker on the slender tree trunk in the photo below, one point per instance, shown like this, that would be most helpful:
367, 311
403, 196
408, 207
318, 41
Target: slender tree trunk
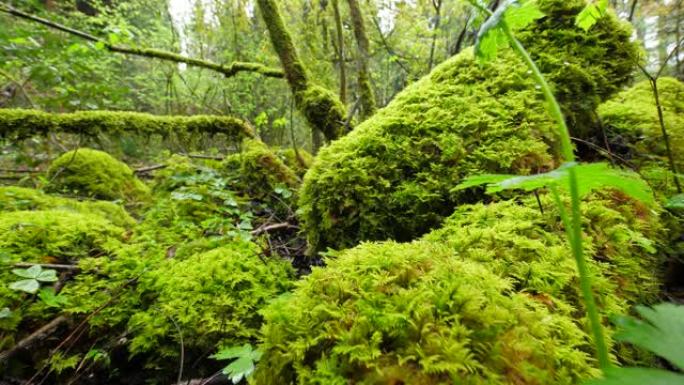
632, 9
340, 51
458, 45
437, 4
368, 105
666, 137
321, 108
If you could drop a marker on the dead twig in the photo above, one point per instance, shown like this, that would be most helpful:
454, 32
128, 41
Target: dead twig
34, 337
48, 266
275, 226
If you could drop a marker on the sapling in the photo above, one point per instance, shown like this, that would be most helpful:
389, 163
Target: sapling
578, 179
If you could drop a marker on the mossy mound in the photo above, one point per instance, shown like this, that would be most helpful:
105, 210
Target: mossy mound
95, 174
393, 313
516, 241
14, 198
298, 161
631, 118
391, 177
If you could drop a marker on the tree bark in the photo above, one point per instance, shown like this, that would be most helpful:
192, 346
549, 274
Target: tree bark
437, 5
321, 108
367, 96
340, 51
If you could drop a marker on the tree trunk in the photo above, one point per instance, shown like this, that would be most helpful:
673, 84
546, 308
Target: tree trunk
368, 105
437, 4
321, 107
340, 51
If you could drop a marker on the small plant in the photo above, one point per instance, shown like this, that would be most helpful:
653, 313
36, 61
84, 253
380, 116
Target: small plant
245, 357
34, 276
497, 32
662, 332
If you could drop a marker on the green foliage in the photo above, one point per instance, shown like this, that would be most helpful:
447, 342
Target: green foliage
414, 314
631, 118
14, 198
33, 277
299, 161
661, 332
18, 123
590, 177
591, 14
95, 174
243, 365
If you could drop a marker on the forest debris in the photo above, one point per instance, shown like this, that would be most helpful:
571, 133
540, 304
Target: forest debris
34, 337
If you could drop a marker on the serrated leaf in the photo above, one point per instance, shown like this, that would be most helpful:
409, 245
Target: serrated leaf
491, 36
232, 352
661, 331
590, 177
27, 285
47, 275
239, 369
522, 13
591, 14
49, 297
637, 376
32, 272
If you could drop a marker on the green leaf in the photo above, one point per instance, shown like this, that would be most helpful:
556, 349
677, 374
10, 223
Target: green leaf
28, 285
49, 297
591, 14
590, 177
232, 352
243, 366
675, 203
522, 13
516, 14
32, 272
5, 312
661, 331
637, 376
283, 191
47, 275
238, 369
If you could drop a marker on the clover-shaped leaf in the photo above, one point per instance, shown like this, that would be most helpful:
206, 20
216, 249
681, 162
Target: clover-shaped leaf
34, 275
30, 286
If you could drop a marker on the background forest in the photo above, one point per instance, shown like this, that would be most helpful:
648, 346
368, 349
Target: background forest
342, 192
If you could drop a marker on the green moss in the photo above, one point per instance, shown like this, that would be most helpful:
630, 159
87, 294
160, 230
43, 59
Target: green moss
393, 313
323, 110
298, 161
95, 174
631, 116
20, 198
19, 124
390, 178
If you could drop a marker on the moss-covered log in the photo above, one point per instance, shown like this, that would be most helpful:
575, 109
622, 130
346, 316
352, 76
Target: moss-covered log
322, 109
392, 177
21, 124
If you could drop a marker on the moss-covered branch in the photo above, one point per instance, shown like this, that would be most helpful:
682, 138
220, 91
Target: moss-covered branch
368, 105
18, 123
226, 69
321, 107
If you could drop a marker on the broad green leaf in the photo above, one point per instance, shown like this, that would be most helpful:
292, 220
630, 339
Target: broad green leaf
32, 272
637, 376
675, 203
232, 352
238, 369
516, 14
590, 177
522, 13
591, 13
661, 331
47, 275
5, 312
49, 297
28, 285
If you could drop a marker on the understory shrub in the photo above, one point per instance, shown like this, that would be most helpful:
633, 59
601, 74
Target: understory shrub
391, 176
389, 313
631, 120
95, 174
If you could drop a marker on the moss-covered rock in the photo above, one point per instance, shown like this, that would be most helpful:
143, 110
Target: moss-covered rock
393, 313
391, 177
14, 198
95, 174
631, 118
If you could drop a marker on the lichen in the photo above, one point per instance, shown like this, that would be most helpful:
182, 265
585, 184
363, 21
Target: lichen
631, 119
95, 174
14, 198
390, 178
391, 313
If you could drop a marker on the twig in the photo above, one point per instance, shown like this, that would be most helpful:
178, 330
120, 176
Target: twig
39, 334
49, 266
275, 226
143, 170
200, 156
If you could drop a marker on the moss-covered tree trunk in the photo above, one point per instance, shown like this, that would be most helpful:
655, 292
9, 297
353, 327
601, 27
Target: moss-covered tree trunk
321, 107
367, 95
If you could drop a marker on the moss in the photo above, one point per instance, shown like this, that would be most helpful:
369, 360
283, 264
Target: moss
529, 248
631, 118
298, 161
18, 124
95, 174
393, 313
20, 198
323, 110
390, 178
257, 170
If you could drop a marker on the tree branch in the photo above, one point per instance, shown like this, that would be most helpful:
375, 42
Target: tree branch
226, 69
39, 334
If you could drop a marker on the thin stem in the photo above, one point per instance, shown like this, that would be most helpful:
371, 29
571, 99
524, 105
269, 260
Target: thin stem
573, 225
